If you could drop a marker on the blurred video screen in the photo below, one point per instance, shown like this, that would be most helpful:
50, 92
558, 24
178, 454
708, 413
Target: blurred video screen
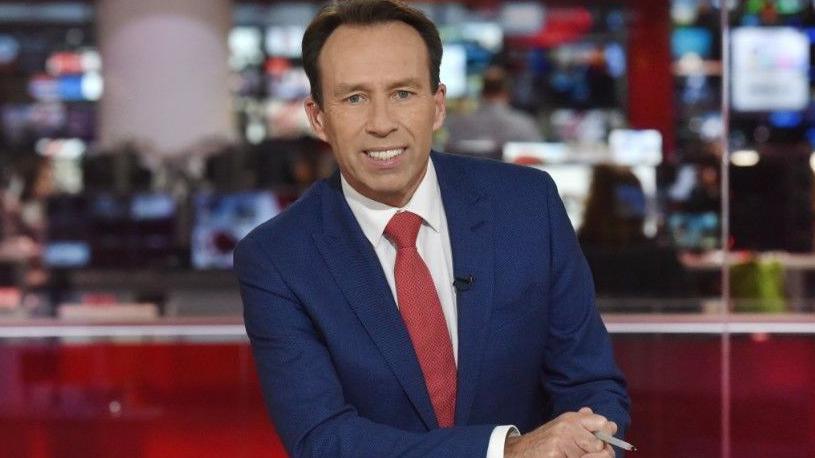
221, 220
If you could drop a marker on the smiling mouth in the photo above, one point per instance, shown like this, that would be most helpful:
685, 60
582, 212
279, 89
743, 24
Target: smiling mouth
384, 155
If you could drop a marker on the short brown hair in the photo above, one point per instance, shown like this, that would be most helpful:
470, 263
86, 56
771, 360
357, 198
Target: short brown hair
366, 12
495, 82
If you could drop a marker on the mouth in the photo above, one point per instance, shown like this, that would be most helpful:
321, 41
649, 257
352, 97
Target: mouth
384, 154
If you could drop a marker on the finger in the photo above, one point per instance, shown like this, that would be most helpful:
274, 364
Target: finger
572, 438
564, 440
585, 439
585, 410
611, 428
594, 422
608, 452
572, 450
589, 443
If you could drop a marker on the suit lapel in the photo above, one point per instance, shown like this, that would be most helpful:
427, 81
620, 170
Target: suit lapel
471, 237
354, 265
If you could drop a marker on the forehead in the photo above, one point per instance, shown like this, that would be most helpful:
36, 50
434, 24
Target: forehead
372, 53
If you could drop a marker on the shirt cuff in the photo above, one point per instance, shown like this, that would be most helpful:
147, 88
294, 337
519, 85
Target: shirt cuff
498, 439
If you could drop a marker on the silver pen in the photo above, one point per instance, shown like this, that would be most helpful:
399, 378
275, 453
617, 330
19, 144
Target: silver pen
614, 441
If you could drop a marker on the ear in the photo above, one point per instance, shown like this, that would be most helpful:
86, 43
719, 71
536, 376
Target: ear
439, 99
316, 118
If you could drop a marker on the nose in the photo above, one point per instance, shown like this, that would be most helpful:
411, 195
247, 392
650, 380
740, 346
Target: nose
381, 121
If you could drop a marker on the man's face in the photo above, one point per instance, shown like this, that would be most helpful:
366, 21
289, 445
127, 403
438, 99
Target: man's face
378, 111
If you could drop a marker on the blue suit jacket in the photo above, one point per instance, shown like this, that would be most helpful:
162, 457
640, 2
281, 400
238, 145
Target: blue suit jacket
337, 368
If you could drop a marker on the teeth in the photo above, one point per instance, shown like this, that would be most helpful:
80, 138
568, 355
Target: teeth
384, 155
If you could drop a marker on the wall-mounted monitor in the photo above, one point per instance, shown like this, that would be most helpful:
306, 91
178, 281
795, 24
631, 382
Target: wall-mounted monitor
63, 254
770, 69
692, 40
245, 47
284, 40
66, 244
152, 207
221, 220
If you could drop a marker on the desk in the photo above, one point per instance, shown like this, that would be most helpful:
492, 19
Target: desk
186, 387
180, 387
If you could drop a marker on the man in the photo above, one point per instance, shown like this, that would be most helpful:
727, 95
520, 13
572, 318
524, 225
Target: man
484, 132
420, 304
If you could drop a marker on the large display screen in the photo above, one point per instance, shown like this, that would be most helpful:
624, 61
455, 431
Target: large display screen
111, 231
770, 69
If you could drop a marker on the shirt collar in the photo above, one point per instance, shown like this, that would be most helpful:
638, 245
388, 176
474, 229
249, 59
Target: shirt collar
373, 216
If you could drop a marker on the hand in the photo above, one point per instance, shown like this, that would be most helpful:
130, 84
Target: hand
570, 435
608, 427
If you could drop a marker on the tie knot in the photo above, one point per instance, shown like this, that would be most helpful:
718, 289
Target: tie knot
403, 228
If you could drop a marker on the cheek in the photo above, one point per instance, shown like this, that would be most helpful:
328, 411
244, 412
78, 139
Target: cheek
351, 123
343, 131
420, 118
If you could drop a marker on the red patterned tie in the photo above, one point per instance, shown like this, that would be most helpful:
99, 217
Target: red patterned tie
421, 311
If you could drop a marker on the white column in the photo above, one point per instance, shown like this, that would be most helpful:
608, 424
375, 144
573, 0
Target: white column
166, 72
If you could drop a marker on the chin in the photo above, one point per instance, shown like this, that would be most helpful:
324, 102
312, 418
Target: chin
386, 191
384, 182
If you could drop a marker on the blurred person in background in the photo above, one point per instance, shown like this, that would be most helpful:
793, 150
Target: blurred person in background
37, 175
418, 303
615, 208
26, 184
495, 122
625, 262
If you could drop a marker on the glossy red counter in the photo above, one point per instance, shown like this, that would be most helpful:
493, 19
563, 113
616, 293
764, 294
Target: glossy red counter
181, 394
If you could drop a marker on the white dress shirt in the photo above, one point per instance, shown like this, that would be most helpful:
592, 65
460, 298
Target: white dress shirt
433, 244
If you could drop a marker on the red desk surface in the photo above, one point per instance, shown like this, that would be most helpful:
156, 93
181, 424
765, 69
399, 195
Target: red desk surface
175, 399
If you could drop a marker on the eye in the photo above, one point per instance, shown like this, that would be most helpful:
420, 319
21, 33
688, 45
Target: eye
402, 94
354, 99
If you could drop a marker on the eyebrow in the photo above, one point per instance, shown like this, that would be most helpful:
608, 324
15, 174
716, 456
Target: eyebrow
342, 89
409, 82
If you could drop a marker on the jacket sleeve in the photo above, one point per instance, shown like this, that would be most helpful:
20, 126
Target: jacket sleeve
579, 367
300, 386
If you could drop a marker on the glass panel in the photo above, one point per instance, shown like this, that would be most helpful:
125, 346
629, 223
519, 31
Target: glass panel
772, 402
769, 193
692, 192
675, 385
771, 143
140, 400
